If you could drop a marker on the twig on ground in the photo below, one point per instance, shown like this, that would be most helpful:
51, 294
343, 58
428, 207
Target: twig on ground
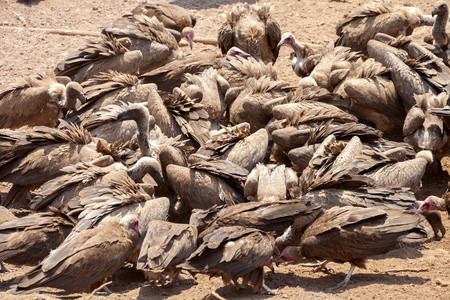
407, 270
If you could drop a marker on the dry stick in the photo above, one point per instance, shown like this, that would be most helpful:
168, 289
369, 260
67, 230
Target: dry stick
98, 289
407, 270
57, 31
207, 41
22, 19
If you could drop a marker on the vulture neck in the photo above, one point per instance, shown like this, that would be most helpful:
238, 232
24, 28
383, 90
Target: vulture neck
297, 47
439, 33
143, 166
143, 125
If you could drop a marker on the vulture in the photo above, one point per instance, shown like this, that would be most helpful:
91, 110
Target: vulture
30, 239
237, 145
436, 203
105, 89
361, 25
252, 29
171, 75
266, 216
63, 191
175, 18
157, 45
306, 56
31, 156
207, 183
422, 129
270, 183
210, 88
439, 31
38, 101
254, 104
98, 57
406, 79
165, 246
333, 66
234, 252
352, 234
177, 114
372, 96
84, 259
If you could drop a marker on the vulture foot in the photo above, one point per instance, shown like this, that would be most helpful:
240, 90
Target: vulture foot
344, 283
3, 268
268, 290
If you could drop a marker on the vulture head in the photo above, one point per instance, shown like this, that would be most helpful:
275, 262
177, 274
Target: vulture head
290, 253
423, 130
188, 34
435, 203
287, 39
131, 222
138, 113
74, 92
252, 32
440, 9
147, 165
235, 51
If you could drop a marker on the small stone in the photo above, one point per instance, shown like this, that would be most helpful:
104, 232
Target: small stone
442, 283
95, 8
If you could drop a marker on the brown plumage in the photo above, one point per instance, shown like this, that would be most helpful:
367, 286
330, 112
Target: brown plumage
362, 25
172, 16
372, 96
205, 184
210, 87
63, 192
406, 80
270, 183
269, 217
352, 234
234, 252
423, 130
83, 259
305, 56
254, 104
175, 18
97, 57
171, 75
30, 239
237, 145
109, 88
439, 32
237, 69
38, 101
252, 29
175, 113
164, 247
157, 45
31, 156
334, 64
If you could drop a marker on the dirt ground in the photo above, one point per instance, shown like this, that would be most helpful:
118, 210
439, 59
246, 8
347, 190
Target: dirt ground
402, 274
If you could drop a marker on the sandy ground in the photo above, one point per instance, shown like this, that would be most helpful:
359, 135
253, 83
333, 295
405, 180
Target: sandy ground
402, 274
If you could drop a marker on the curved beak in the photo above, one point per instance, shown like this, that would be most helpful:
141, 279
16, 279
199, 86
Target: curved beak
281, 43
82, 98
433, 12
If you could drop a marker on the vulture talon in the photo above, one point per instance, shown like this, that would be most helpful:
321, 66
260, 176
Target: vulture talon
344, 283
268, 290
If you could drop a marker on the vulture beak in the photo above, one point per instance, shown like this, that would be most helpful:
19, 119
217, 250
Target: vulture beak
82, 98
136, 228
281, 43
433, 12
188, 34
